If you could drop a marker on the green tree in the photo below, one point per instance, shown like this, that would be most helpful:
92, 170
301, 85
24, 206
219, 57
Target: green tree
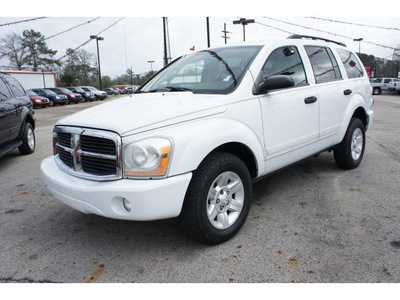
39, 55
106, 81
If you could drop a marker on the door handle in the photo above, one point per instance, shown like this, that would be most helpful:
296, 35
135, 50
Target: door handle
310, 100
347, 92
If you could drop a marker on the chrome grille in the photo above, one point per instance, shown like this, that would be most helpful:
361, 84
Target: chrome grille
88, 153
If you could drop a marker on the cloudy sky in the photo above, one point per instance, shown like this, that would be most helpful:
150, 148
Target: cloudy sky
138, 38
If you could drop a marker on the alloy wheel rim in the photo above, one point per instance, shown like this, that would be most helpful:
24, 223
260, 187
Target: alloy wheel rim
31, 138
356, 144
225, 200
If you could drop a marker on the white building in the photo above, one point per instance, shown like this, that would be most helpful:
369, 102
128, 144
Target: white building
30, 79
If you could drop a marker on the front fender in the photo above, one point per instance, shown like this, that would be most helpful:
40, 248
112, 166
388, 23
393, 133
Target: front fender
195, 140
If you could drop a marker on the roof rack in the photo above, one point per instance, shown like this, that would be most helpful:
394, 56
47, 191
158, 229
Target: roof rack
298, 36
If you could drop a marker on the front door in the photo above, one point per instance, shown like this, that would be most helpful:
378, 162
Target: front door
291, 115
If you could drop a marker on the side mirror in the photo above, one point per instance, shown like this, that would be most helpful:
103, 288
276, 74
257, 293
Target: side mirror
274, 83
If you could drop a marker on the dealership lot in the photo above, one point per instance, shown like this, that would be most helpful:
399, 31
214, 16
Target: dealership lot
311, 222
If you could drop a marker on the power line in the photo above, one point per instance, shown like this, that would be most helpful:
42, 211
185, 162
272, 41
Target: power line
83, 44
357, 24
273, 27
45, 39
330, 33
22, 21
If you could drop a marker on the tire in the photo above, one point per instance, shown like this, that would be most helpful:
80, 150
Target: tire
28, 140
377, 91
349, 153
218, 199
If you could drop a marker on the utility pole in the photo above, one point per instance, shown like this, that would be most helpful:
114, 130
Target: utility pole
225, 33
208, 31
165, 41
244, 22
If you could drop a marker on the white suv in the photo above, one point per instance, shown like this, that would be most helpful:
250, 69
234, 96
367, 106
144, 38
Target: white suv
190, 142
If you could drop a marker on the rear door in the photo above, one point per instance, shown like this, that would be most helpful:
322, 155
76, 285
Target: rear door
7, 112
19, 101
331, 89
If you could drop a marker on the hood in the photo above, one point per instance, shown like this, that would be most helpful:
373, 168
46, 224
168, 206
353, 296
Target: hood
38, 98
142, 112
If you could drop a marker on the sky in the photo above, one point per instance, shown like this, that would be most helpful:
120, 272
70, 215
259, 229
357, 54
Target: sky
138, 38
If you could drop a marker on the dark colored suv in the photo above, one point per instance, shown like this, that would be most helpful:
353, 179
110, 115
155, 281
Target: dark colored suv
17, 123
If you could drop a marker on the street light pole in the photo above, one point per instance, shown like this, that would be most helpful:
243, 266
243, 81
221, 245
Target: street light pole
244, 22
151, 64
359, 44
98, 38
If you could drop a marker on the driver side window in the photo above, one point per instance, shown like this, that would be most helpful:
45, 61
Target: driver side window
285, 61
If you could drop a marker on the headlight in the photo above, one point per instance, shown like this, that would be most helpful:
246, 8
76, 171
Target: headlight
147, 157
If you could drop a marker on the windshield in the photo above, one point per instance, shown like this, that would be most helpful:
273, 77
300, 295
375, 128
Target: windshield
32, 93
66, 91
56, 91
216, 71
48, 92
92, 89
79, 90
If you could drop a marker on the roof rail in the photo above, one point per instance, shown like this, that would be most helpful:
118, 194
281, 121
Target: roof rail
298, 36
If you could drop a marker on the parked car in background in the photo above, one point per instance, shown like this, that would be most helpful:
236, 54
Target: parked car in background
17, 123
86, 96
38, 101
111, 91
394, 86
381, 84
53, 97
120, 90
72, 97
100, 95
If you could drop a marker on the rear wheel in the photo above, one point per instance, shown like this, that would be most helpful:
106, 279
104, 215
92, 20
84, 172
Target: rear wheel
28, 140
377, 91
349, 153
218, 199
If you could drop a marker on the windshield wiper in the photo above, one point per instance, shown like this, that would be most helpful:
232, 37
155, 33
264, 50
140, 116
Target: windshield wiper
168, 89
178, 89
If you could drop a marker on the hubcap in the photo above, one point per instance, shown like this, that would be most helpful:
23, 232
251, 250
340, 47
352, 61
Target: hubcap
356, 144
31, 138
225, 200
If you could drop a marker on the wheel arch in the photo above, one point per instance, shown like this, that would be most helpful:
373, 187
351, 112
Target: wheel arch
243, 152
193, 144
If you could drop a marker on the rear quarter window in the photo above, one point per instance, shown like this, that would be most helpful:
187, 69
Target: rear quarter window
16, 87
351, 64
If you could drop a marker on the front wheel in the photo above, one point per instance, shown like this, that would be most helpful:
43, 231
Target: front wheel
218, 199
349, 153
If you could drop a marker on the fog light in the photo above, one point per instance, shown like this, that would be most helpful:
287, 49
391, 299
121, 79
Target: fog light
127, 204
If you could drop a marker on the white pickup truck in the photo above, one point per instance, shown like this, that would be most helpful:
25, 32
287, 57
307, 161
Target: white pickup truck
384, 84
192, 139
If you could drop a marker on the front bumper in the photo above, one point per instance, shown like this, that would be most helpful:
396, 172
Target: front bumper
149, 199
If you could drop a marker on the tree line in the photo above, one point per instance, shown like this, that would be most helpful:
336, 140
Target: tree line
29, 51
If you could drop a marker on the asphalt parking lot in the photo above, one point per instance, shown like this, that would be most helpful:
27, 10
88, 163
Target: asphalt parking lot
311, 222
